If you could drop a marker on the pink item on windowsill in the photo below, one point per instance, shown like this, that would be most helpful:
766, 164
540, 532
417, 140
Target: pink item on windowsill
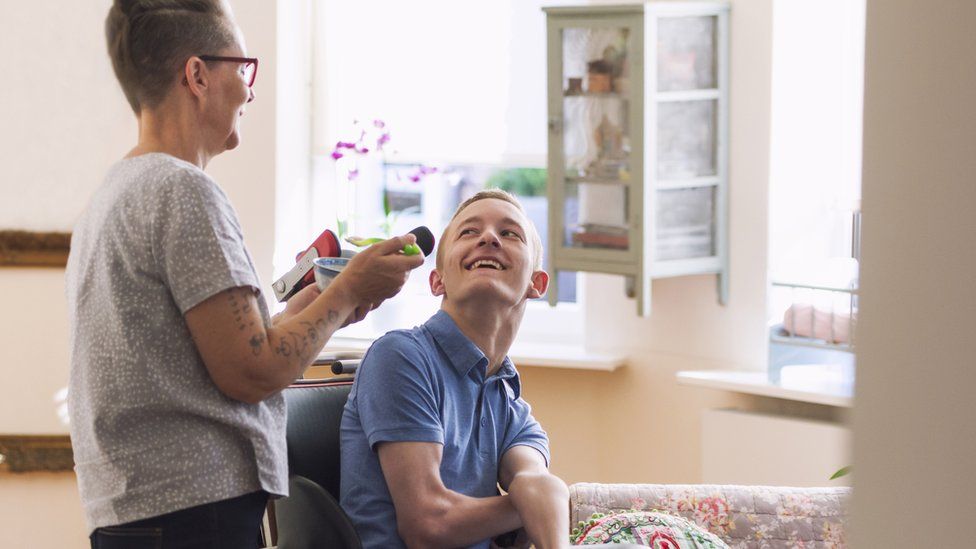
804, 320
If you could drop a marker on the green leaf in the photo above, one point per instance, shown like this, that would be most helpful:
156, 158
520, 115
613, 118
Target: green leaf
843, 471
520, 181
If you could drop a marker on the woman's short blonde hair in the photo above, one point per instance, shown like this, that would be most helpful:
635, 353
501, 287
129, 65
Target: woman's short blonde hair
496, 194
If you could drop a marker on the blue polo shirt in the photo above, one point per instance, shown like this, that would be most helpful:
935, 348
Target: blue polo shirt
428, 384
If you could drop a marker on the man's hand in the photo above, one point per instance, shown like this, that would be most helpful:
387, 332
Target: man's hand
541, 498
520, 541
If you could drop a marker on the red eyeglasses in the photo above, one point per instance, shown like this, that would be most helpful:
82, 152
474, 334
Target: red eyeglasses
249, 68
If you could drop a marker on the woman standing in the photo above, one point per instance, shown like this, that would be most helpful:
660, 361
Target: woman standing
177, 418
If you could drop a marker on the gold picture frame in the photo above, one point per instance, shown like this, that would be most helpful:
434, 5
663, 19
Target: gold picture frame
34, 249
33, 453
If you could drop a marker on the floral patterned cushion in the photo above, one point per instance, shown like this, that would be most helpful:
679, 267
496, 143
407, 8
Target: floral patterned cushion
744, 517
650, 528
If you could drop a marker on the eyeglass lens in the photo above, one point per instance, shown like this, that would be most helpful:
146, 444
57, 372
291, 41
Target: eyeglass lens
248, 71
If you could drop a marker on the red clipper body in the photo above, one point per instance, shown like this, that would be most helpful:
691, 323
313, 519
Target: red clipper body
301, 275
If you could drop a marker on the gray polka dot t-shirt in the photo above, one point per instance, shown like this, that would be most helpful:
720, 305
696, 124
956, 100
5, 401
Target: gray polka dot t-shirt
151, 432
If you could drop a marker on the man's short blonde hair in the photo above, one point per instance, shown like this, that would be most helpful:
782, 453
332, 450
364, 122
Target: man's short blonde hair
497, 194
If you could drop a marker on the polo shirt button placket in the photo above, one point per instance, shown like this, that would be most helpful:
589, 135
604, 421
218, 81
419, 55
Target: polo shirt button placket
484, 422
484, 436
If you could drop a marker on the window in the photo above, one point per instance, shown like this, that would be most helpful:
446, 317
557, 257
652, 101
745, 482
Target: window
815, 177
459, 88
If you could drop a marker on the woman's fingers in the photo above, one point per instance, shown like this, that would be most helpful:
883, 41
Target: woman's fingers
380, 271
359, 314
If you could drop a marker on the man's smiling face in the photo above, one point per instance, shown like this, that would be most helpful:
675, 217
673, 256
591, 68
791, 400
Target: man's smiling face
488, 252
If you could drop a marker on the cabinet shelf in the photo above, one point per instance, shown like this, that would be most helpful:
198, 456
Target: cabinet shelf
687, 95
690, 183
596, 180
638, 174
597, 95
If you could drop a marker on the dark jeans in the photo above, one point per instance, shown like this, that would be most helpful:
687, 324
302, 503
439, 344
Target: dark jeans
231, 523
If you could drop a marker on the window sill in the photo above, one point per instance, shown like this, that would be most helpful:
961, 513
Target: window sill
809, 387
522, 354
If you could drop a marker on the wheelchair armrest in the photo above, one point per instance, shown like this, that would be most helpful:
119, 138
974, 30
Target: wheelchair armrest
310, 518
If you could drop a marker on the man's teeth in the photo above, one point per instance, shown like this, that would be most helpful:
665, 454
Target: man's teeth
485, 263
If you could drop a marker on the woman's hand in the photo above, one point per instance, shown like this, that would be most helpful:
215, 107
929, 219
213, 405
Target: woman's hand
298, 302
358, 314
377, 273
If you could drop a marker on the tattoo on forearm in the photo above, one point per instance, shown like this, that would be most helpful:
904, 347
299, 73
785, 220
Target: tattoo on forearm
310, 332
257, 343
235, 308
303, 343
283, 348
291, 343
300, 342
333, 316
240, 308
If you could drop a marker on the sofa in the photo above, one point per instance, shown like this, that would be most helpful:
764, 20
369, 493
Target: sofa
745, 517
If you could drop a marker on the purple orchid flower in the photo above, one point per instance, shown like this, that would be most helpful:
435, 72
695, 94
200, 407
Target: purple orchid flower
422, 172
358, 146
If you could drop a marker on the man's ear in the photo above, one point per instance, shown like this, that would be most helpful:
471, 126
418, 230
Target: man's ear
436, 284
196, 76
540, 283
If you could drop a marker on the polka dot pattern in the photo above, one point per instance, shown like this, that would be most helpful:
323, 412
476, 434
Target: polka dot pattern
151, 432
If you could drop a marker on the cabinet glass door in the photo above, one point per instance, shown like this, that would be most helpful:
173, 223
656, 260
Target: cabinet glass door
687, 137
685, 223
596, 136
687, 53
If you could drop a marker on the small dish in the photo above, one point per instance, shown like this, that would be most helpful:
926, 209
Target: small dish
327, 268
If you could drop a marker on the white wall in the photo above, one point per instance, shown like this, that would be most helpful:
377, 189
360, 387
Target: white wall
64, 122
42, 511
65, 119
914, 424
785, 451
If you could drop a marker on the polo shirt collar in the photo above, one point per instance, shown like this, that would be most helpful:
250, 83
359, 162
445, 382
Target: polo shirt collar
463, 354
509, 374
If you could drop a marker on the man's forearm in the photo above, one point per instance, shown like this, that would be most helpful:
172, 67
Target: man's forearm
542, 502
462, 520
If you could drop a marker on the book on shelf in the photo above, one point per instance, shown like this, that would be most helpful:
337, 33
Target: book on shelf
602, 236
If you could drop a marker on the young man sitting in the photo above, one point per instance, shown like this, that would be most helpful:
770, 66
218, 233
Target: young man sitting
435, 421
